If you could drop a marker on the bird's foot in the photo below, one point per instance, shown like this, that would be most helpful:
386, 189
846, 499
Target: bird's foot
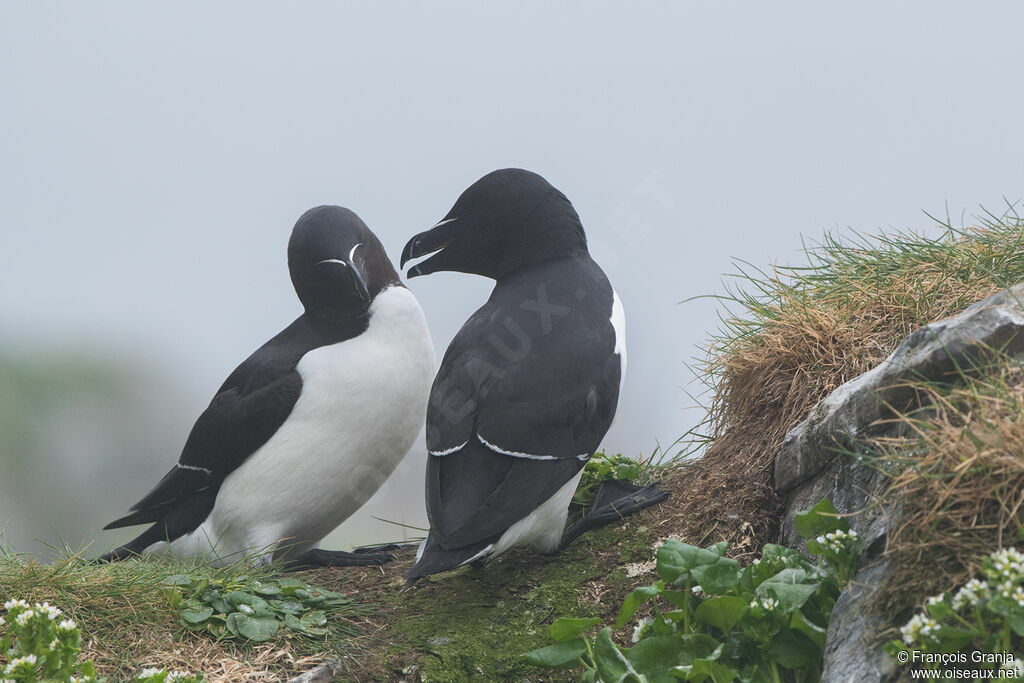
337, 558
613, 501
383, 548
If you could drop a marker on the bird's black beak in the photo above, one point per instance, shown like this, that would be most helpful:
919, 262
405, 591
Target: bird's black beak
433, 240
355, 274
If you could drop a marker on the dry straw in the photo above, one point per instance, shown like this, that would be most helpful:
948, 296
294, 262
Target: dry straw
793, 334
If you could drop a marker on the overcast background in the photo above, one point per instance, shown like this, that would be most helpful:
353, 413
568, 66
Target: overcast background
153, 160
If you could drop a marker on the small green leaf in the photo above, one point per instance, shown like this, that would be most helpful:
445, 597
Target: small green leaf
231, 624
197, 616
250, 628
654, 657
317, 618
939, 610
718, 578
288, 606
705, 670
290, 587
612, 664
678, 598
561, 656
677, 560
820, 519
566, 629
794, 650
293, 622
952, 639
635, 601
815, 633
788, 588
180, 580
723, 612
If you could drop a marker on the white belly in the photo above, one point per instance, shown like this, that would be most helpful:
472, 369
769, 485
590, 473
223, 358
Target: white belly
363, 403
543, 527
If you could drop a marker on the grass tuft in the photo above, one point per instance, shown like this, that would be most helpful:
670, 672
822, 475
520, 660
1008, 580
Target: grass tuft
793, 334
957, 473
128, 621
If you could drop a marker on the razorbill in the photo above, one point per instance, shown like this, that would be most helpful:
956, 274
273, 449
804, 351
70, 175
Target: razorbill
530, 384
308, 427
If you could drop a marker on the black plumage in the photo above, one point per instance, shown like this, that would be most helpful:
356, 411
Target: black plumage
529, 386
259, 395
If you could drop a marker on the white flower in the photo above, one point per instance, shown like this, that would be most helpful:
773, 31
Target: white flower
934, 600
20, 662
1016, 666
66, 625
178, 675
641, 626
51, 612
972, 592
150, 673
10, 604
912, 629
820, 540
24, 617
54, 644
757, 560
1009, 562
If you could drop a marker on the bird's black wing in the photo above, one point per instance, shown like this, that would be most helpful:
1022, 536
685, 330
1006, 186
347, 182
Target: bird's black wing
518, 406
248, 409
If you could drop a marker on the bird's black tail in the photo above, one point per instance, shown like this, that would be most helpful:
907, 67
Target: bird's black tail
133, 548
436, 559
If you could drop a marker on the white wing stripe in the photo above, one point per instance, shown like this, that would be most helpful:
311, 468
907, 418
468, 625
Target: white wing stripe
450, 450
517, 454
194, 468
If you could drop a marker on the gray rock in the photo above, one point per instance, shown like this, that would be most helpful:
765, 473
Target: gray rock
815, 462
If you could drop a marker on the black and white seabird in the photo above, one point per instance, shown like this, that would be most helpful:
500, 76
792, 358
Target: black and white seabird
308, 427
530, 384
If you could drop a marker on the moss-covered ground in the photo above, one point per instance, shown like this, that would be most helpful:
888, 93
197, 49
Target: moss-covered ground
472, 624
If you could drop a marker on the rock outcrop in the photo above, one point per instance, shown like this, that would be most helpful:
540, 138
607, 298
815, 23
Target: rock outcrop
815, 462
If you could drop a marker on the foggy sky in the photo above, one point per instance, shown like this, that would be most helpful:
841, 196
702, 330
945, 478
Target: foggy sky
153, 159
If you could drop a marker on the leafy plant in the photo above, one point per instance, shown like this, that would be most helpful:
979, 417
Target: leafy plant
40, 645
712, 620
251, 610
604, 467
984, 616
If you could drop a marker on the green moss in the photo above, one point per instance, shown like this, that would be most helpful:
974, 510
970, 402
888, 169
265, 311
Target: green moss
474, 624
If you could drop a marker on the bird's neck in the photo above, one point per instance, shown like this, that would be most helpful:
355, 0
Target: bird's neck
337, 325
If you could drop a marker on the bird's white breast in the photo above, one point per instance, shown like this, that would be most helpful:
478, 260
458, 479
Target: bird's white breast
618, 321
363, 403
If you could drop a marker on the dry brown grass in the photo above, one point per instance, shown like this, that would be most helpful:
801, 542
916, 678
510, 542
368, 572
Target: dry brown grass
801, 332
958, 477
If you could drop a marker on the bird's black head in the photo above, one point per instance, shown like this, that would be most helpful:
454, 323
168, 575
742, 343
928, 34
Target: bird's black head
337, 264
507, 220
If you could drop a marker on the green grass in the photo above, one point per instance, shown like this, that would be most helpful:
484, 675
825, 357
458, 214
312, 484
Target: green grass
474, 624
128, 620
846, 307
790, 335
